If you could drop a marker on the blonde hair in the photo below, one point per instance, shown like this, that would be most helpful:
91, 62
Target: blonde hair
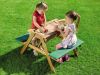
42, 5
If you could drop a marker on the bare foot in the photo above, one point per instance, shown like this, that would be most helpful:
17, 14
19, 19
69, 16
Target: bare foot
60, 60
67, 58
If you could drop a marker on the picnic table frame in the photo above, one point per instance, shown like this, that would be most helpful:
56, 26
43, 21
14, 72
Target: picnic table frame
42, 47
43, 41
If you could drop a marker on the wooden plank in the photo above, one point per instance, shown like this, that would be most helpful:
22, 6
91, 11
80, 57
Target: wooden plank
43, 38
47, 55
27, 42
23, 38
37, 49
59, 53
75, 52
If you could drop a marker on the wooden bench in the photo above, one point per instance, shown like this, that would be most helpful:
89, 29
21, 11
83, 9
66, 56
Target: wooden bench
60, 53
23, 38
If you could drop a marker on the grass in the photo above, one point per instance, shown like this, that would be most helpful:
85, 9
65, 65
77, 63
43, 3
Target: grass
15, 19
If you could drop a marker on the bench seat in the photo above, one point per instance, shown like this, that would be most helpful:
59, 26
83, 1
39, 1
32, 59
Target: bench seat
60, 53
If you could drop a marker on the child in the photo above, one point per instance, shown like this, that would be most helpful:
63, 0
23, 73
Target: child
39, 19
69, 33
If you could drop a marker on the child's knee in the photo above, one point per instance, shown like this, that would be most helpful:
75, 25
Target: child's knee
65, 46
58, 46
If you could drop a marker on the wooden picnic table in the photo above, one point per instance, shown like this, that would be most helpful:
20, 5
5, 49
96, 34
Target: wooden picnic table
51, 26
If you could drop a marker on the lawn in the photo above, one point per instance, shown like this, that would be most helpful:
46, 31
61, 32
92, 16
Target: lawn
15, 19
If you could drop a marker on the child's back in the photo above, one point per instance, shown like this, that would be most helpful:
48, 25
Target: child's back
71, 37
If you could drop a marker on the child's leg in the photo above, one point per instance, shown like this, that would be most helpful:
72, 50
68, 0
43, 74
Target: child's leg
59, 46
34, 44
66, 58
60, 60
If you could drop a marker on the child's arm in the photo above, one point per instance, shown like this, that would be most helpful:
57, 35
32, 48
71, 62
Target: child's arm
42, 29
44, 24
61, 32
45, 20
64, 33
35, 23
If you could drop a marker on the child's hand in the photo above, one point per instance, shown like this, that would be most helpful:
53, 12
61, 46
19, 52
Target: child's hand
43, 30
58, 29
65, 46
63, 39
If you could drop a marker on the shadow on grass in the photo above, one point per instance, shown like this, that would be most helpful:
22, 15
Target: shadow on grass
27, 63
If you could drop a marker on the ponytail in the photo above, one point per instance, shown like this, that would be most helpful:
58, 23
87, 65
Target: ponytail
75, 16
78, 20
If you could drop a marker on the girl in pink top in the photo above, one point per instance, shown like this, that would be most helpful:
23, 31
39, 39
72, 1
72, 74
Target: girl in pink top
69, 34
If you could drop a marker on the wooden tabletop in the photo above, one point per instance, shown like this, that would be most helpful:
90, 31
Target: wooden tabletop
52, 28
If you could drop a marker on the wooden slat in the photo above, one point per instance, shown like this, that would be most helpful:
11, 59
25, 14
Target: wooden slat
60, 53
37, 49
27, 42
